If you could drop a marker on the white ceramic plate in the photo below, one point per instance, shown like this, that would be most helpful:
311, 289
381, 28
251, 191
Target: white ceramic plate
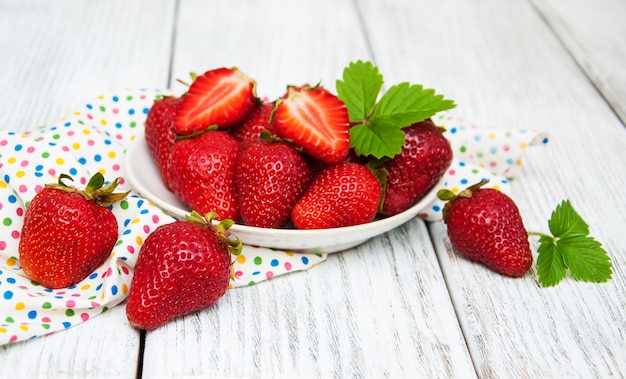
144, 177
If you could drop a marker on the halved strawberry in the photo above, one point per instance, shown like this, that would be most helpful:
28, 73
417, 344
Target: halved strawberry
222, 97
315, 120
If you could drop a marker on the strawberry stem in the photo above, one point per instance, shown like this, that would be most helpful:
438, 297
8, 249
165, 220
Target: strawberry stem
539, 234
197, 133
468, 191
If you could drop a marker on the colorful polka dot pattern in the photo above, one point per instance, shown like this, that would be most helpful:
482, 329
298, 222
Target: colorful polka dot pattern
90, 140
494, 154
256, 264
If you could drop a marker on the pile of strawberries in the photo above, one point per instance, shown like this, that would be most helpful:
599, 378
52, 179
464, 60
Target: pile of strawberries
284, 163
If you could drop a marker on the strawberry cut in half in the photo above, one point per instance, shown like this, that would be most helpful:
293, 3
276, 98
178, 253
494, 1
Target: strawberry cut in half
222, 97
316, 121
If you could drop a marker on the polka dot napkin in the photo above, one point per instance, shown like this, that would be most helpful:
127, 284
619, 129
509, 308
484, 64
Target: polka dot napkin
95, 138
92, 139
481, 154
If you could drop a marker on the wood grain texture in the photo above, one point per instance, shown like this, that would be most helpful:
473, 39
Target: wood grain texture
380, 310
104, 347
595, 34
278, 44
505, 68
57, 55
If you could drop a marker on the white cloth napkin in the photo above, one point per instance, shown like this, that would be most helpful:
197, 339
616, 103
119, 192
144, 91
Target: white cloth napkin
92, 139
95, 138
479, 154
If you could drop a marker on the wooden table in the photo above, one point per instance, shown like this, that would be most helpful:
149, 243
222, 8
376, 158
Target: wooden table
403, 304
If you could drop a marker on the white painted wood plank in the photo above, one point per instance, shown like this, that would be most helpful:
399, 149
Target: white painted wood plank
380, 310
277, 43
595, 34
56, 56
375, 311
505, 68
104, 347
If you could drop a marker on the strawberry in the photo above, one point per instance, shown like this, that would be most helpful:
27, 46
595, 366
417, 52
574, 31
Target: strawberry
67, 233
485, 226
270, 177
159, 131
425, 157
316, 120
341, 195
183, 266
259, 120
202, 173
222, 97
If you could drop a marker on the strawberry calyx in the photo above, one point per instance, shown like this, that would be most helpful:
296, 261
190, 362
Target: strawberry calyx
233, 246
95, 191
197, 133
268, 136
449, 196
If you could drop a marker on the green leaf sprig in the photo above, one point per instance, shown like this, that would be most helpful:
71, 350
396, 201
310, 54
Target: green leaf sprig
377, 125
570, 247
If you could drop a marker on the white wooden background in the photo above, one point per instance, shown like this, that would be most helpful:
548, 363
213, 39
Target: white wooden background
403, 304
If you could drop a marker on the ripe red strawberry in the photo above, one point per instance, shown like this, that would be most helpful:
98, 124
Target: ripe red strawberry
316, 120
259, 120
67, 233
270, 178
183, 266
222, 97
202, 173
425, 157
484, 225
341, 195
159, 131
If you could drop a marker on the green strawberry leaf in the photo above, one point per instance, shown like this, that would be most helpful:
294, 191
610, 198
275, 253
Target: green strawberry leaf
570, 248
565, 221
359, 89
550, 266
585, 258
405, 104
376, 139
378, 131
